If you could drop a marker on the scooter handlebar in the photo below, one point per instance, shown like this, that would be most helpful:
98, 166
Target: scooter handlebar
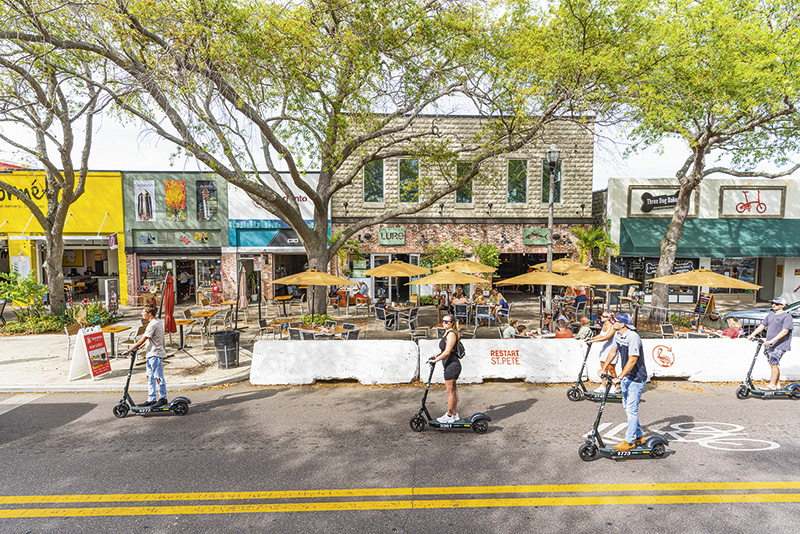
607, 376
131, 353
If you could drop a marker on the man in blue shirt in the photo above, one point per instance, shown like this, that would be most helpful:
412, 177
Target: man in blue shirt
632, 378
779, 325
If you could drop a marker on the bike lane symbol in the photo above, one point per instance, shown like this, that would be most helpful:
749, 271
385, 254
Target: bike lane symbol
712, 435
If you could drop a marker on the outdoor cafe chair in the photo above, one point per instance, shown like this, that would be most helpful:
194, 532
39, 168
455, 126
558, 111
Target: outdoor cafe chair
351, 334
462, 313
294, 333
468, 334
504, 312
483, 313
265, 328
440, 332
348, 326
419, 333
330, 324
697, 335
307, 335
131, 340
500, 331
410, 316
667, 330
380, 317
199, 330
71, 330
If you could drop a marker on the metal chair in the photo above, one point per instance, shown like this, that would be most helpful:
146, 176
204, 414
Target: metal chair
440, 332
500, 331
307, 335
410, 317
461, 312
265, 328
348, 326
71, 330
330, 324
294, 333
504, 312
202, 331
380, 317
483, 313
697, 335
468, 334
667, 331
352, 334
131, 340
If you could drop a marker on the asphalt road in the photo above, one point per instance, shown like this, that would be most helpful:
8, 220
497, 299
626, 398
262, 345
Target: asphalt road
341, 458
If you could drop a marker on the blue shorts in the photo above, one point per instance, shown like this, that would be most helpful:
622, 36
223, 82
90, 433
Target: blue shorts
773, 355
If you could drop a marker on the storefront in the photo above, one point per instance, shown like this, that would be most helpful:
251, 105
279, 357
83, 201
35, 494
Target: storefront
175, 224
262, 243
743, 231
93, 235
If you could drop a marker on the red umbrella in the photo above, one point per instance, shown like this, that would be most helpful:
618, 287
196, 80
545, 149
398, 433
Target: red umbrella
169, 307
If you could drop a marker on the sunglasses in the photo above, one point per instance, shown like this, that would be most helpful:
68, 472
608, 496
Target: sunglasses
446, 321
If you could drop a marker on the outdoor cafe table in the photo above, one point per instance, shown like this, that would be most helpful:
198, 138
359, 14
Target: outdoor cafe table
181, 323
394, 311
114, 330
205, 313
321, 330
283, 300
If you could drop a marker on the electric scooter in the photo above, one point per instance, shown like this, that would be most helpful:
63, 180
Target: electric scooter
179, 405
654, 447
747, 388
579, 392
479, 423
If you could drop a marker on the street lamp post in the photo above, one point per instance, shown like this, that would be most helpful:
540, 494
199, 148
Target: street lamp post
551, 156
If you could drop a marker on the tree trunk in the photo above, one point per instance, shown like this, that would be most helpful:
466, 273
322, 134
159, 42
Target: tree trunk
318, 258
54, 247
669, 245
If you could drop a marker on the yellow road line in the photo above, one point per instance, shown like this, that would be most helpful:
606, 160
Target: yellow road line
609, 500
395, 492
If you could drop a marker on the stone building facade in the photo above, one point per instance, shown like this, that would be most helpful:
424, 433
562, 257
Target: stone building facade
508, 206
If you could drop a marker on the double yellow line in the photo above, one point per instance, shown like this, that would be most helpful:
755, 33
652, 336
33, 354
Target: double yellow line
372, 499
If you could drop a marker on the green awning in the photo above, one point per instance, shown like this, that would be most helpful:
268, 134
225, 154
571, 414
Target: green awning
714, 238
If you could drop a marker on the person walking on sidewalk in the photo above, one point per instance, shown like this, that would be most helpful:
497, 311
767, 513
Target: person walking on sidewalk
779, 325
632, 378
153, 339
448, 347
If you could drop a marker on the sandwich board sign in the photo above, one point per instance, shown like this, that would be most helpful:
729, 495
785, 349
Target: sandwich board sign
89, 357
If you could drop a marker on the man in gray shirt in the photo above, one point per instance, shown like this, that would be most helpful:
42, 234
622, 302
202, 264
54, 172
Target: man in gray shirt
779, 325
153, 339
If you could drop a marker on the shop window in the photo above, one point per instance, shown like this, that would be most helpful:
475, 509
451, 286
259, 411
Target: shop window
463, 193
517, 181
546, 183
409, 180
373, 181
742, 268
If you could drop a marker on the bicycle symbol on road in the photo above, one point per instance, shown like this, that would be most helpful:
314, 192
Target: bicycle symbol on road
719, 436
742, 207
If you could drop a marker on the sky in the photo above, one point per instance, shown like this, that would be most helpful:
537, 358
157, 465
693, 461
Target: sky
121, 147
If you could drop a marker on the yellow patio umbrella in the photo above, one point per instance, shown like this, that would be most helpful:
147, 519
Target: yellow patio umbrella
562, 265
598, 278
397, 268
465, 266
449, 277
704, 277
313, 277
542, 278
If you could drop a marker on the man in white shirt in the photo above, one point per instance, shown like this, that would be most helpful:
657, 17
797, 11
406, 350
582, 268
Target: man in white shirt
153, 339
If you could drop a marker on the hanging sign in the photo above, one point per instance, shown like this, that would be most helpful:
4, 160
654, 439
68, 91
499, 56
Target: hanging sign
90, 356
258, 263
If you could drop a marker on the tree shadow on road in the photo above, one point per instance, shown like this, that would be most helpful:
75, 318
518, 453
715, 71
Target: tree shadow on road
230, 399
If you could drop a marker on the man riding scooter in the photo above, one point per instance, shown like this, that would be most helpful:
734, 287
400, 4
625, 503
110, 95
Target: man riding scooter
153, 339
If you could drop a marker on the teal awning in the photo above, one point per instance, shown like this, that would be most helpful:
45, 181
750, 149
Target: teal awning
714, 238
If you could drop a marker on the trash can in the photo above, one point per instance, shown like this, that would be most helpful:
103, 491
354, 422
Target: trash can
226, 344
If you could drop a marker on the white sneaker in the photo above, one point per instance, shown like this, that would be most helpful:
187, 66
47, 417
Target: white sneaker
446, 418
454, 418
614, 390
601, 389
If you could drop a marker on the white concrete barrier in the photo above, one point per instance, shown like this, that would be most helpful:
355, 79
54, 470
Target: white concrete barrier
535, 361
559, 360
303, 362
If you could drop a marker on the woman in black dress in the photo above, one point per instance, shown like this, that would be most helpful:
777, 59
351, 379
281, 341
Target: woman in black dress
448, 347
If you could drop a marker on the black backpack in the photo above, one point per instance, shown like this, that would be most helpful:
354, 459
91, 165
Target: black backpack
460, 350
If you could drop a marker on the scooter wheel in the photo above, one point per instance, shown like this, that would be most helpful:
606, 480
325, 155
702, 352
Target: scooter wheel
417, 423
658, 450
742, 392
588, 452
120, 411
795, 393
480, 426
180, 408
574, 394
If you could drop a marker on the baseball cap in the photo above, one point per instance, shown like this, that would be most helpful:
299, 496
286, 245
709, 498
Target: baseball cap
778, 300
714, 312
625, 319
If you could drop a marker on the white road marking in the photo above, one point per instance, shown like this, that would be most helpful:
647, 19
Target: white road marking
15, 401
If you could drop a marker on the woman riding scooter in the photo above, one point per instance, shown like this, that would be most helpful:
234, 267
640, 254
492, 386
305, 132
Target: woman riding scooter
452, 366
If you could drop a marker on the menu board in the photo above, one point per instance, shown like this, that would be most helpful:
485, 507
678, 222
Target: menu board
704, 304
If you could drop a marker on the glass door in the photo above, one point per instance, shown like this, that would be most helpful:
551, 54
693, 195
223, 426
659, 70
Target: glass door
382, 288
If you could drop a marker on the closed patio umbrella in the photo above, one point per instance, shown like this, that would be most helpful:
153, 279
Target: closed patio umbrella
168, 298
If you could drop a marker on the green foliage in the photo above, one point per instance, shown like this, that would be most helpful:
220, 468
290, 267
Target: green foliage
680, 321
487, 254
442, 253
14, 288
35, 325
351, 247
427, 300
595, 237
316, 319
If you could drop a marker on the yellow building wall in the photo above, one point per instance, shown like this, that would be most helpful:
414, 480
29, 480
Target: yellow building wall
102, 199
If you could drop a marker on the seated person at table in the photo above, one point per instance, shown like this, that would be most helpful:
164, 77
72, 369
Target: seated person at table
547, 325
477, 297
501, 310
581, 298
389, 317
492, 299
713, 321
459, 299
509, 331
563, 331
584, 332
333, 295
569, 293
734, 329
522, 330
